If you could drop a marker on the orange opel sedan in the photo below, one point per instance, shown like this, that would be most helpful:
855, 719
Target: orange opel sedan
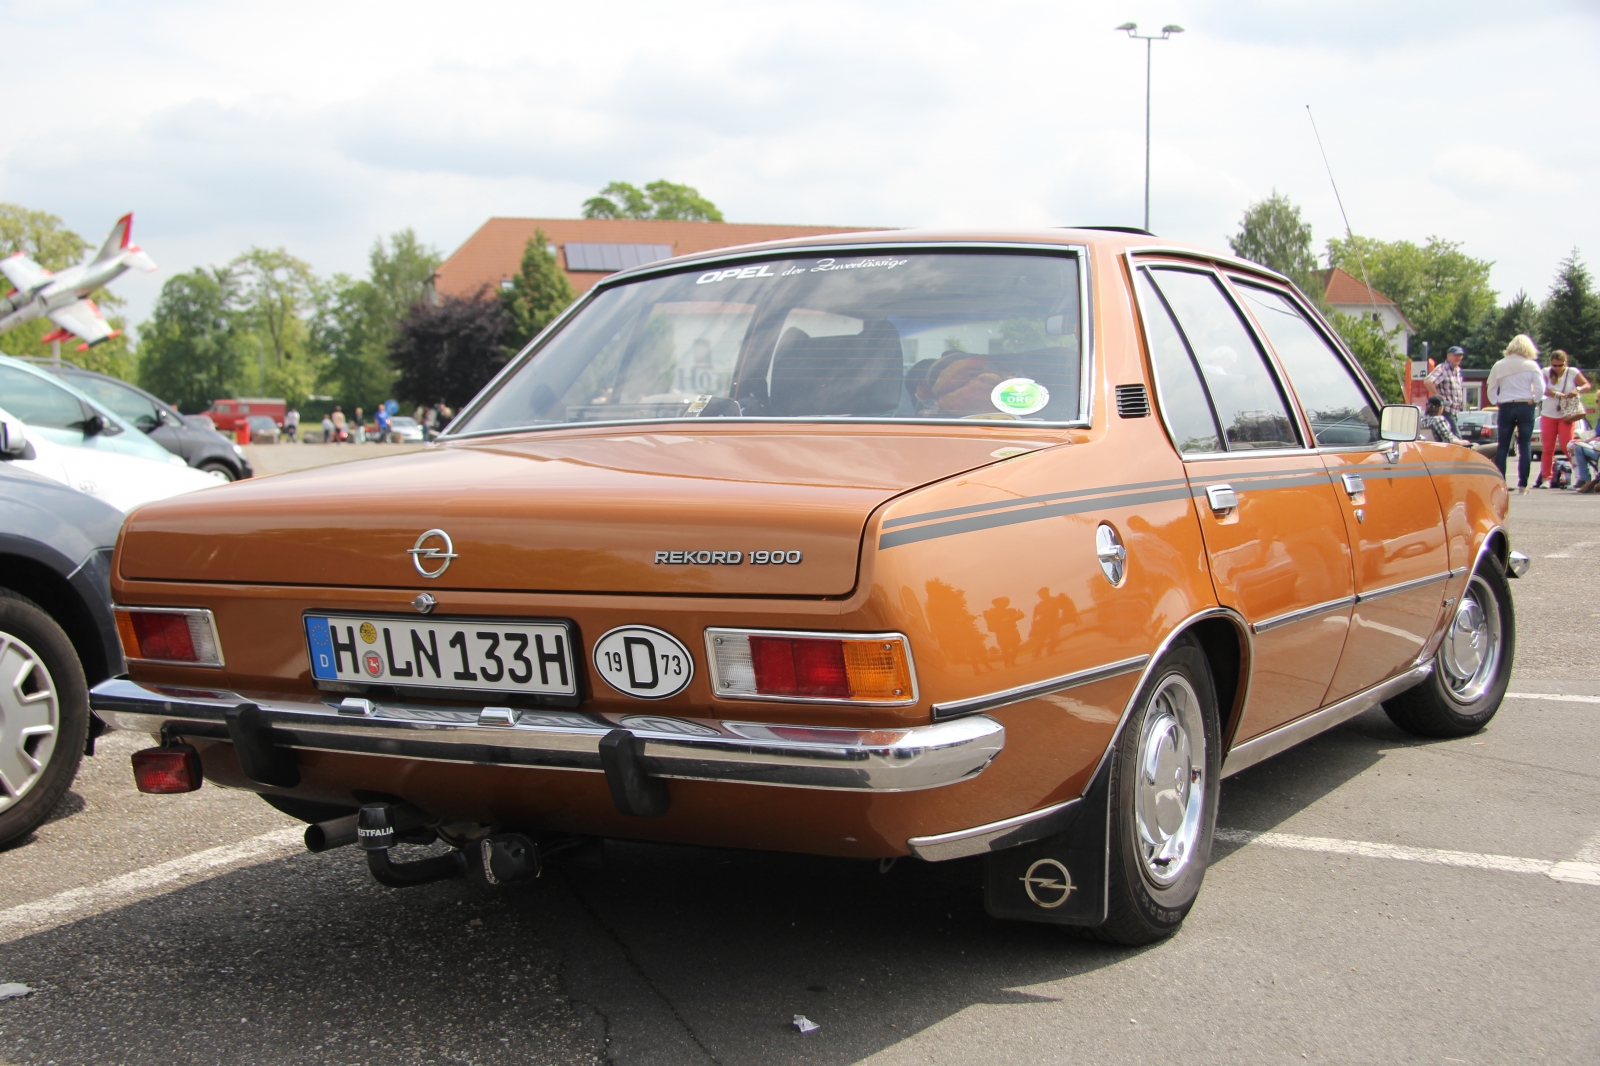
923, 544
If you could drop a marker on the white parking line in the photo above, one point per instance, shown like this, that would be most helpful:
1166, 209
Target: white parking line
1584, 870
74, 903
1572, 548
1552, 697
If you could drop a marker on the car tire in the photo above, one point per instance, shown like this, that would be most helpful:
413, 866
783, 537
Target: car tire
215, 466
1471, 669
1161, 832
44, 715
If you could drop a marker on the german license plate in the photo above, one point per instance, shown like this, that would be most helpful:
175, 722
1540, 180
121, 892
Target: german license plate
490, 656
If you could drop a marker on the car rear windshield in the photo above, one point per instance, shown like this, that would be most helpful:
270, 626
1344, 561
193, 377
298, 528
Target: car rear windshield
886, 336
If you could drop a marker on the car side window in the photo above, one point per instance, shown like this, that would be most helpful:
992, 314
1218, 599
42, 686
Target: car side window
1335, 404
1184, 403
124, 401
39, 402
1251, 409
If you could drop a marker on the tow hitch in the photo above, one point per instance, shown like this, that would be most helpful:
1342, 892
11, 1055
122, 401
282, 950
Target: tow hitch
491, 861
376, 832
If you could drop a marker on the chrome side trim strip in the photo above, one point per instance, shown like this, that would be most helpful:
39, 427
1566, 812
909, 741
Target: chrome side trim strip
1287, 736
1404, 586
1269, 624
760, 753
1006, 833
1039, 688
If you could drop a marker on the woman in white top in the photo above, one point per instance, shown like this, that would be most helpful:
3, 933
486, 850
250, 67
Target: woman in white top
1560, 382
1516, 385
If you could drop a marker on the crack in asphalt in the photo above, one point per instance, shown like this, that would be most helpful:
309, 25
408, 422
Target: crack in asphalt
638, 968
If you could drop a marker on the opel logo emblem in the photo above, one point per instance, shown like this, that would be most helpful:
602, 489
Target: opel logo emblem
1048, 884
432, 547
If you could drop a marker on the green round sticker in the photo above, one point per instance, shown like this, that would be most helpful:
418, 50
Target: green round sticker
1019, 396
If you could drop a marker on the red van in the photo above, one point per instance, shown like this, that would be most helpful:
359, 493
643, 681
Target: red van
227, 414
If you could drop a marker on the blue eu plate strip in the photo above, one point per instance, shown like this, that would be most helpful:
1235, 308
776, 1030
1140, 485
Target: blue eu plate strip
321, 649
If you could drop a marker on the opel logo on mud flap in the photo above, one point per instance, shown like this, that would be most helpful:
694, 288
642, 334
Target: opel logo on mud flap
425, 554
1047, 883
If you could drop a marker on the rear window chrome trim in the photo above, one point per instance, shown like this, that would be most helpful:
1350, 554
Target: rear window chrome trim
1086, 338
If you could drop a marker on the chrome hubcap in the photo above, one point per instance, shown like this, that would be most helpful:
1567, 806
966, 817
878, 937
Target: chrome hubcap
1169, 795
29, 718
1470, 653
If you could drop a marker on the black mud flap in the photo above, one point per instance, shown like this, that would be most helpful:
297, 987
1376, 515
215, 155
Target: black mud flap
1062, 878
261, 760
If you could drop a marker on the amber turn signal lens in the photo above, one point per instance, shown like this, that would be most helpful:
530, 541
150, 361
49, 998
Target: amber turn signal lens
186, 636
866, 668
163, 771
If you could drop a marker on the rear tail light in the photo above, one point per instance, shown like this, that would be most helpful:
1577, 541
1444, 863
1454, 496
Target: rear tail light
163, 771
811, 667
186, 636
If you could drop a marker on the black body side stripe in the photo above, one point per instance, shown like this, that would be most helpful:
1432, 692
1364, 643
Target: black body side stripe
1032, 514
1024, 501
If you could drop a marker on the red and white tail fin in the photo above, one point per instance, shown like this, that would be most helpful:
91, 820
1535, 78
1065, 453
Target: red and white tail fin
117, 239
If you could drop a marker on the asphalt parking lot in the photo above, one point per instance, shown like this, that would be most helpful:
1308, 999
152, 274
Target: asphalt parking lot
1375, 898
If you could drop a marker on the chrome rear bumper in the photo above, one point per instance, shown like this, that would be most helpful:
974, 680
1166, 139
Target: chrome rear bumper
863, 760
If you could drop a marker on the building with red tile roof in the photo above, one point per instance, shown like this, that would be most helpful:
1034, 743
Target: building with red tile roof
590, 248
1351, 296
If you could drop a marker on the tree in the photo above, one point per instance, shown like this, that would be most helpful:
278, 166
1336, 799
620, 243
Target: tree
358, 319
189, 352
450, 351
1570, 318
1488, 339
659, 200
1273, 234
43, 238
273, 294
539, 291
1374, 349
1443, 291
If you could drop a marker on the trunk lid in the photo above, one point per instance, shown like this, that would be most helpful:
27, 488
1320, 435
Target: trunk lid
566, 512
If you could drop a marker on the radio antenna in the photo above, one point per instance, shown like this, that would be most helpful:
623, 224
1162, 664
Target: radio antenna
1348, 232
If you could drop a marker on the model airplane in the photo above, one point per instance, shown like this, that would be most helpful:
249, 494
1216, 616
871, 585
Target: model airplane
63, 297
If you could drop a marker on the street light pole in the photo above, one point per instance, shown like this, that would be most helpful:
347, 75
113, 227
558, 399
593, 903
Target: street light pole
1132, 30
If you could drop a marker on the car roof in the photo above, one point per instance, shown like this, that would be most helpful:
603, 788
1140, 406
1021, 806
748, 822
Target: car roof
80, 372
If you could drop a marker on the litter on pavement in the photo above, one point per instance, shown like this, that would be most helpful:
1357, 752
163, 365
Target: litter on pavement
16, 991
804, 1024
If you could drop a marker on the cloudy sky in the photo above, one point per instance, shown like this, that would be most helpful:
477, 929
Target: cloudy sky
319, 126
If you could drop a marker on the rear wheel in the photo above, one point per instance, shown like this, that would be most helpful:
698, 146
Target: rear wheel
214, 466
44, 715
1472, 667
1165, 776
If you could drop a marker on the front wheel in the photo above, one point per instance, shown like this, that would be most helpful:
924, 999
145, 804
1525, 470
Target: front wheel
44, 715
215, 467
1472, 667
1165, 778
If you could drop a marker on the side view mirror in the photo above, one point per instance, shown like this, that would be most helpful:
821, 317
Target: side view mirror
13, 437
1399, 422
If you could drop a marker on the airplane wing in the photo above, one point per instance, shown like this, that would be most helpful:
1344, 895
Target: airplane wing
23, 272
84, 319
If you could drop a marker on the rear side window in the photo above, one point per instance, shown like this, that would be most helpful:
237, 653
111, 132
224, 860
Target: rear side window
38, 402
1183, 398
1335, 405
1250, 407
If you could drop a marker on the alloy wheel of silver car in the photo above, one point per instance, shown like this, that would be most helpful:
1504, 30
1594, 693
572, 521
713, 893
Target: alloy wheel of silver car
30, 716
1470, 654
1170, 791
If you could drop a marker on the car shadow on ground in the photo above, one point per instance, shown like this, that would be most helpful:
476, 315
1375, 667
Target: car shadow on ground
655, 954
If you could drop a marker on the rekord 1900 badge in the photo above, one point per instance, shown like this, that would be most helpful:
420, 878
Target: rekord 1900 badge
1019, 396
643, 662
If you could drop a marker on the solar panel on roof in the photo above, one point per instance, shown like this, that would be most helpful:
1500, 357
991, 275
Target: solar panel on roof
588, 255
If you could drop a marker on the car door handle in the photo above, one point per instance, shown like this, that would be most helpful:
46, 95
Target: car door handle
1354, 484
1222, 498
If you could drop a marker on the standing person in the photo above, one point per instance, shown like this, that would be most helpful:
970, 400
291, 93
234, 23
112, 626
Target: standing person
383, 423
1561, 383
358, 431
291, 424
1444, 381
340, 434
1516, 384
327, 430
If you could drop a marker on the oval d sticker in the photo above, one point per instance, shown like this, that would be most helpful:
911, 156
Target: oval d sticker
643, 662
